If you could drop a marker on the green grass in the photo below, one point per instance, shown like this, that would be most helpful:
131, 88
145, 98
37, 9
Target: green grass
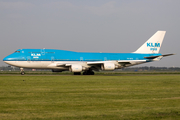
90, 97
96, 73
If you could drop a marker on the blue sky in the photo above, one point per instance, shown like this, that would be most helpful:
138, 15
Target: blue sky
89, 26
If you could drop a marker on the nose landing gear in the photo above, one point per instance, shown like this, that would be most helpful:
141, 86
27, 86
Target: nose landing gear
87, 72
22, 71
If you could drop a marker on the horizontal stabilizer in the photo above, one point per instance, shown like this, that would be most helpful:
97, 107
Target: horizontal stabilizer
153, 57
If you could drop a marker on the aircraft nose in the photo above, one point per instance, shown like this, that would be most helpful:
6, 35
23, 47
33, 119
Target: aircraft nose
9, 58
5, 59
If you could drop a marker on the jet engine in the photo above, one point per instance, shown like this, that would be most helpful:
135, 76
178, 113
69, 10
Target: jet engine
108, 66
75, 68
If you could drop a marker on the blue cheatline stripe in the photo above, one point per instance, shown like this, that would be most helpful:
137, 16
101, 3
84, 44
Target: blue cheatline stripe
62, 55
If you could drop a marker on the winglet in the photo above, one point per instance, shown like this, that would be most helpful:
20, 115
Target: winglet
152, 45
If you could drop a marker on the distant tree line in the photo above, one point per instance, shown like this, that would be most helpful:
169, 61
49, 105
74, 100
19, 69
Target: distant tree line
151, 68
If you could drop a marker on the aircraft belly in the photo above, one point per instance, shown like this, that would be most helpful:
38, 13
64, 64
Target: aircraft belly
28, 64
44, 64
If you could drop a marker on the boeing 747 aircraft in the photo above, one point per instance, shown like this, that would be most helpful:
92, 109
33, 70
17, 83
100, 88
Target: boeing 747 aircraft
77, 62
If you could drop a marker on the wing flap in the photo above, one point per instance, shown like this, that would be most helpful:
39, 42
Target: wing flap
119, 63
95, 63
126, 63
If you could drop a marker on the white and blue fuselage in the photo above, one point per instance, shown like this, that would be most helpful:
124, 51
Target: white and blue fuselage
43, 58
62, 60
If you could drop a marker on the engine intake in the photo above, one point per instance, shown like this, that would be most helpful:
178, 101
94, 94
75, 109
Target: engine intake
108, 66
75, 68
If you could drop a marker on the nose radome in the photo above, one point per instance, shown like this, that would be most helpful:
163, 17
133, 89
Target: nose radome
5, 59
8, 58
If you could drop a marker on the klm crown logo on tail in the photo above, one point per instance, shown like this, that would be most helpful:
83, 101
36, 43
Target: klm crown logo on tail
153, 44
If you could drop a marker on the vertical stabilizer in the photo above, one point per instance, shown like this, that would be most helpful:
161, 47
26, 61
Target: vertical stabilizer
152, 45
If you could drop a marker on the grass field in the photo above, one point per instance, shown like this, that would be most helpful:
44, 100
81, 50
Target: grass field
90, 97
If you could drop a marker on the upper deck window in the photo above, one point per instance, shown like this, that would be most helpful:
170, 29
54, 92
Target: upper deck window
50, 52
17, 51
34, 52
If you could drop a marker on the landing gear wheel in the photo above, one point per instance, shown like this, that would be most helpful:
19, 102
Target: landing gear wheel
22, 73
89, 72
77, 73
85, 73
92, 73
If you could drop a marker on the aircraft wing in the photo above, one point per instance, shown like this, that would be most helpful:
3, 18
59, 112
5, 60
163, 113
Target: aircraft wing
59, 65
56, 65
96, 65
119, 63
127, 63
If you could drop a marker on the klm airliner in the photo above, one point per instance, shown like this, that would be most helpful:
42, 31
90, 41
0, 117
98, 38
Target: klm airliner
86, 62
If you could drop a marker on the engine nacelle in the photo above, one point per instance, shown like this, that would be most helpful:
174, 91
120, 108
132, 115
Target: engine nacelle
76, 68
108, 66
56, 70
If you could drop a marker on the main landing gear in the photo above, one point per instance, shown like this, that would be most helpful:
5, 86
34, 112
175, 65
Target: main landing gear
88, 72
22, 71
77, 73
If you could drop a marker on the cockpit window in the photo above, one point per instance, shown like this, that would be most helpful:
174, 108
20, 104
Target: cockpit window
17, 51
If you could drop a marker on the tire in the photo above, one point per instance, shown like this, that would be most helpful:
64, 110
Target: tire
84, 73
88, 73
77, 73
22, 73
92, 73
